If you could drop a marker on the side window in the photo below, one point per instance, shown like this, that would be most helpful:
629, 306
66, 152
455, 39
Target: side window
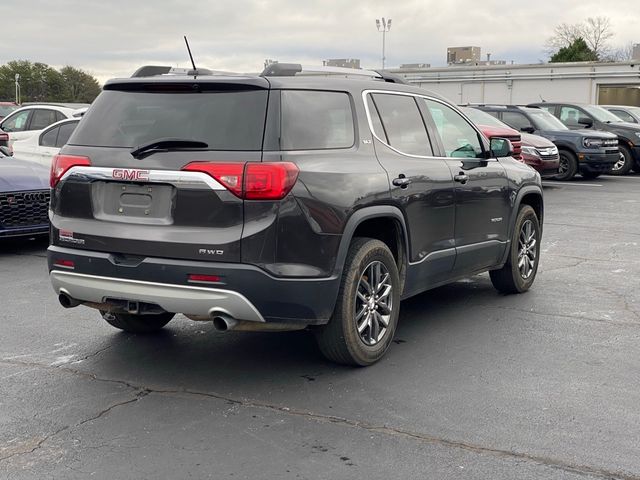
378, 129
516, 120
42, 119
17, 123
314, 120
59, 116
48, 139
569, 116
549, 108
65, 132
622, 115
403, 124
459, 138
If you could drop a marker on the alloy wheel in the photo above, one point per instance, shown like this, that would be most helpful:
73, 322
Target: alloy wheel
620, 163
527, 249
373, 303
563, 166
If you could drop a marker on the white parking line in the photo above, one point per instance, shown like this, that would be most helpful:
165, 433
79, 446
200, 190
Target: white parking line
572, 184
617, 177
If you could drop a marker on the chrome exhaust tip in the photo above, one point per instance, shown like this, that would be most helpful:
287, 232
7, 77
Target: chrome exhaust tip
66, 301
223, 323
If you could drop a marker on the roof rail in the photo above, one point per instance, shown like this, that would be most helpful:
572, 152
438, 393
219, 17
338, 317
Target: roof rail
151, 71
281, 70
391, 77
291, 69
495, 105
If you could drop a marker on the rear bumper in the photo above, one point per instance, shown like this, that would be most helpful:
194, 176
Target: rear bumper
196, 301
244, 292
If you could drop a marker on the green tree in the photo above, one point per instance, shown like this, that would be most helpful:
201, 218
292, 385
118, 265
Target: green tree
80, 87
576, 51
41, 83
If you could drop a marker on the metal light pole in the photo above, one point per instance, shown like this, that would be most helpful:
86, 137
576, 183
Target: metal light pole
383, 26
17, 77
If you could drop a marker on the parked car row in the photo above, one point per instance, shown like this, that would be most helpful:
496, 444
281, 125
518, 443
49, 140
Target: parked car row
590, 139
595, 117
534, 150
29, 139
24, 197
24, 122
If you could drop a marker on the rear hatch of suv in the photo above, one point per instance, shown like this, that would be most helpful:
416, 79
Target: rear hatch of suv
156, 168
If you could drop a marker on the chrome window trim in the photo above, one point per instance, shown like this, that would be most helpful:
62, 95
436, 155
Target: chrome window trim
414, 95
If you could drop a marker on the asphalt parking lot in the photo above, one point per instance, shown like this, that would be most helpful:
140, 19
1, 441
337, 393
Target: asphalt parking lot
477, 385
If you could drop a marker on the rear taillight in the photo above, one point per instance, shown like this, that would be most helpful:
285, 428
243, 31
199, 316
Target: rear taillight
62, 163
63, 262
253, 180
228, 174
202, 278
4, 137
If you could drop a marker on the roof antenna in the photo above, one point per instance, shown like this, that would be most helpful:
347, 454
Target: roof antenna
542, 99
195, 70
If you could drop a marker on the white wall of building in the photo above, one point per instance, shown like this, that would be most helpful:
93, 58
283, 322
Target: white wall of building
521, 84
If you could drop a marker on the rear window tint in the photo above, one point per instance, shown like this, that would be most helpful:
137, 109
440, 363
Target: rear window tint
228, 120
313, 120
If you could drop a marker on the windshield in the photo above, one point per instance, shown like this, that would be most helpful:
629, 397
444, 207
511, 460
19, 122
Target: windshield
543, 120
483, 118
601, 114
224, 120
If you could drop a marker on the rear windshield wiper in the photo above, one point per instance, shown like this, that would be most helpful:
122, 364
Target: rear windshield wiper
166, 145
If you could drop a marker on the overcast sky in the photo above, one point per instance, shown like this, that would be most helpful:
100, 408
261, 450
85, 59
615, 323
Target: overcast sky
110, 38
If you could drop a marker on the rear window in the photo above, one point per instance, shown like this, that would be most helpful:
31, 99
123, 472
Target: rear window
227, 120
313, 120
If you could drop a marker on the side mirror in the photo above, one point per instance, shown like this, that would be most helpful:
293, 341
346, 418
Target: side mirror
586, 121
527, 129
501, 147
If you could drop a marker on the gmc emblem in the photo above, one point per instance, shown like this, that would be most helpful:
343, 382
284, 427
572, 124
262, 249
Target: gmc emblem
130, 174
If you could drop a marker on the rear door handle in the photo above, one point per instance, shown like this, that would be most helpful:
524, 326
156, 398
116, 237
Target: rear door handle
401, 181
461, 177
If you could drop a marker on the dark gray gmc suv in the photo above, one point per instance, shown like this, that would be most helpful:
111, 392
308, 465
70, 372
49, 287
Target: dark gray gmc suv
282, 202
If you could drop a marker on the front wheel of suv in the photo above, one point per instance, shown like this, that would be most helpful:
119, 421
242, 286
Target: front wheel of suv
137, 323
624, 165
568, 165
519, 272
366, 313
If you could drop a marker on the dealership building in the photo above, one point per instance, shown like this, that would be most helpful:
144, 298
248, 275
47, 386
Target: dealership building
584, 82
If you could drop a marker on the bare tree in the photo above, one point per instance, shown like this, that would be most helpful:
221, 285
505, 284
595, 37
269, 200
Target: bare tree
596, 32
620, 54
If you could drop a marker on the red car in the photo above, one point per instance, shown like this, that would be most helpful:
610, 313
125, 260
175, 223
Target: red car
492, 127
536, 151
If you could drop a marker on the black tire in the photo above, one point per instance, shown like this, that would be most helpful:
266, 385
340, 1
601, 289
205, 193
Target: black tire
626, 162
590, 175
137, 323
341, 340
568, 165
510, 278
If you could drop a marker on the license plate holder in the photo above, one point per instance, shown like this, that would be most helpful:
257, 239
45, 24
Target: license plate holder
133, 203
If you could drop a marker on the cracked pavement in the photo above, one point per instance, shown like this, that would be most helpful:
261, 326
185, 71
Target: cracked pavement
477, 385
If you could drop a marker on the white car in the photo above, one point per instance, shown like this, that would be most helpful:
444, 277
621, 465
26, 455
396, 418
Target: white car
26, 121
42, 146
